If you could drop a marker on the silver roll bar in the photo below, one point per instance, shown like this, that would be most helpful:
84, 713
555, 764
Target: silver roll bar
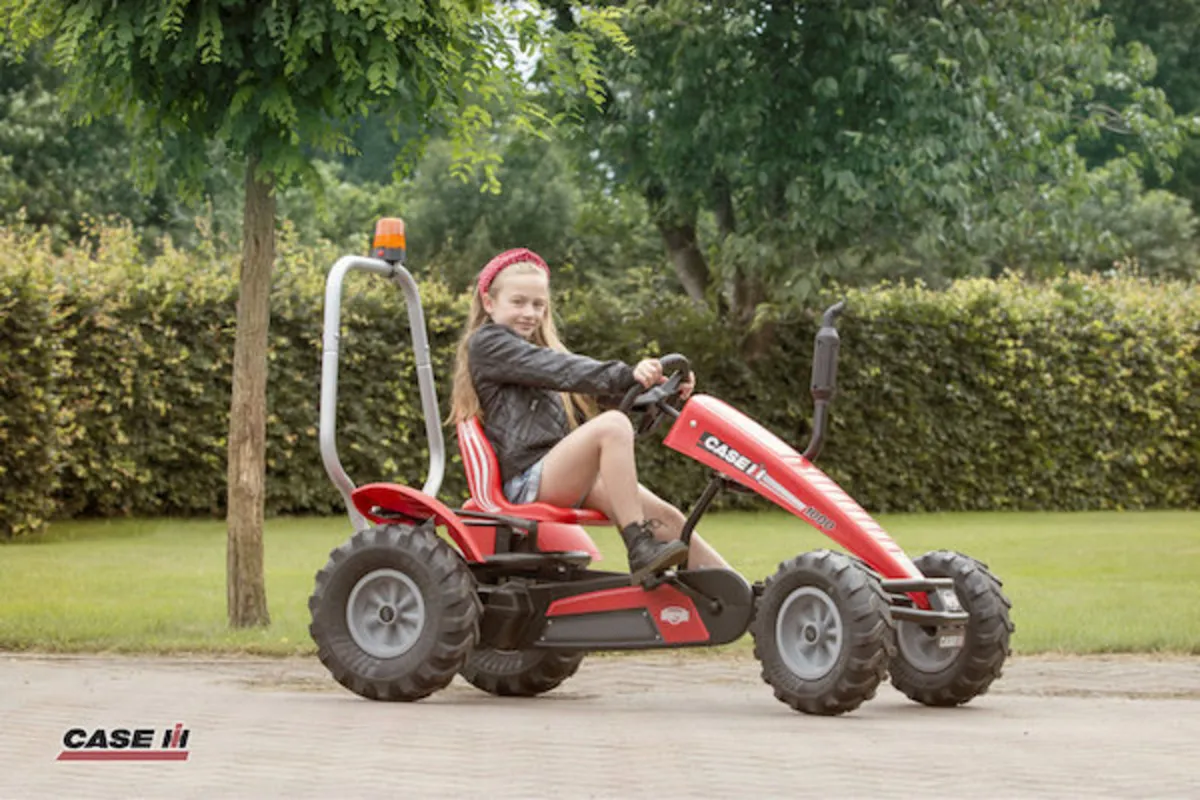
329, 377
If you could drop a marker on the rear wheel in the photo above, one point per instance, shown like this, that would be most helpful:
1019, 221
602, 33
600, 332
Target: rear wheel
940, 676
519, 673
395, 613
823, 633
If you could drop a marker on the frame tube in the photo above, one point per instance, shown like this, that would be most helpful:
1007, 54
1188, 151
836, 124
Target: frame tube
329, 377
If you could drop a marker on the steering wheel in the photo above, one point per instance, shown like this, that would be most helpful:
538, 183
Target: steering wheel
650, 402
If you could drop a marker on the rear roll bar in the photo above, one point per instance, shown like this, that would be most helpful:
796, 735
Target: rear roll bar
329, 377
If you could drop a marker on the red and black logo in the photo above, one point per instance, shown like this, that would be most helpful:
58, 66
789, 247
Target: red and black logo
125, 744
721, 450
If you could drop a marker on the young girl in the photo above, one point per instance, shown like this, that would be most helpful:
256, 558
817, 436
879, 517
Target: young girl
513, 371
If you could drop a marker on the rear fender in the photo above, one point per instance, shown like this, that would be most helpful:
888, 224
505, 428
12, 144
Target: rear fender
382, 502
719, 436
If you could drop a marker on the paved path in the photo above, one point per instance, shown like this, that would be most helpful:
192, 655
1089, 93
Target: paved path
661, 726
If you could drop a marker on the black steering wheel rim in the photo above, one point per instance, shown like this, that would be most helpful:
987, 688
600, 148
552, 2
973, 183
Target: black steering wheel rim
649, 402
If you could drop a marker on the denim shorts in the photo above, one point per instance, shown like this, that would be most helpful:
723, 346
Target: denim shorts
523, 488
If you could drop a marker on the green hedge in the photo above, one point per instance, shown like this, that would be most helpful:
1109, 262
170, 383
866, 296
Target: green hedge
28, 406
1081, 393
1084, 394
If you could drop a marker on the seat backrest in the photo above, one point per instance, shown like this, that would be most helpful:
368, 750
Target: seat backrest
487, 490
481, 466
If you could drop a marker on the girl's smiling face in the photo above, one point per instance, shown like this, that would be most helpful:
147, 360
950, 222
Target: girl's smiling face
519, 298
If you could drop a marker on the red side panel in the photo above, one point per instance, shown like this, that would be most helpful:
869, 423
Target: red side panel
415, 503
721, 437
673, 612
483, 536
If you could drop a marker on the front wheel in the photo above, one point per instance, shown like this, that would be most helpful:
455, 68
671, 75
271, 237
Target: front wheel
823, 633
939, 676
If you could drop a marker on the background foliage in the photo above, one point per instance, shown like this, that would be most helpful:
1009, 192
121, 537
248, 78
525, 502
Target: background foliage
777, 148
748, 161
1077, 393
28, 401
781, 146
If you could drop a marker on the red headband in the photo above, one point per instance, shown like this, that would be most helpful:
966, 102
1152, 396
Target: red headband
507, 259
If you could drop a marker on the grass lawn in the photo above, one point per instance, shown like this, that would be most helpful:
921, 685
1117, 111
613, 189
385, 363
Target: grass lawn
1080, 583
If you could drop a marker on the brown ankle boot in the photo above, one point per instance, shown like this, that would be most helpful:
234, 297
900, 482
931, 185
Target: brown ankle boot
648, 556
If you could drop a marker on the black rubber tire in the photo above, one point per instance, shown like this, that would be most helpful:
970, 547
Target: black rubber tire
989, 630
866, 642
451, 611
519, 673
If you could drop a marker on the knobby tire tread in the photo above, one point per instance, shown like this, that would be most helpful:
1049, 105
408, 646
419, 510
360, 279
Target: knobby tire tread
989, 633
452, 606
866, 620
519, 673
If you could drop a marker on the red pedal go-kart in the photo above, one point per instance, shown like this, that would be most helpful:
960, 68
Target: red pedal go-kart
514, 606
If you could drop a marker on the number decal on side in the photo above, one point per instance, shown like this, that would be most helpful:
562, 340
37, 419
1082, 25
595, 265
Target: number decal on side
820, 519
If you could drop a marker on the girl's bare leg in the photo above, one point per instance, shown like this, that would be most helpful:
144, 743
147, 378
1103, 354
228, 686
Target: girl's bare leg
667, 521
701, 554
599, 449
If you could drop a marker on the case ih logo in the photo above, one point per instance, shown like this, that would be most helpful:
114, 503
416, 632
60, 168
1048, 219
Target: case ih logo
125, 744
732, 457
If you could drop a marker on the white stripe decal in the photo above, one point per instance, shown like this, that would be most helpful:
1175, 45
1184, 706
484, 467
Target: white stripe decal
486, 459
469, 458
837, 495
468, 437
480, 468
778, 488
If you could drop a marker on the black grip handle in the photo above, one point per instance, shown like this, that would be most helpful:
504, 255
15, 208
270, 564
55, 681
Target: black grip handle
675, 362
824, 376
825, 353
829, 318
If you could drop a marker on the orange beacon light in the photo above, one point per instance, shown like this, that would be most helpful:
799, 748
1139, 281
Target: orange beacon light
390, 242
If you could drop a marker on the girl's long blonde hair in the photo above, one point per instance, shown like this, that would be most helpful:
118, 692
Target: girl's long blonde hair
464, 402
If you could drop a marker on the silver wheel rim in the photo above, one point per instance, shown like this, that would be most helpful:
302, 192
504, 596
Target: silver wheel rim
809, 633
385, 613
919, 647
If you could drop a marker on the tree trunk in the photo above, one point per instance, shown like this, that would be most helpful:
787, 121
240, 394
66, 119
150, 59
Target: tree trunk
745, 290
686, 258
245, 587
723, 207
678, 231
748, 292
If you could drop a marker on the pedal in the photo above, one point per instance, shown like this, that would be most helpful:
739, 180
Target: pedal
657, 579
652, 582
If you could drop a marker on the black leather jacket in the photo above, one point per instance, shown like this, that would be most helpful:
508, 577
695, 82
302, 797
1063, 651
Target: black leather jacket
518, 385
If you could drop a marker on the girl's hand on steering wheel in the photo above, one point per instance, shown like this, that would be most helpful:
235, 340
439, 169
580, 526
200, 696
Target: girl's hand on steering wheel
648, 372
687, 387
